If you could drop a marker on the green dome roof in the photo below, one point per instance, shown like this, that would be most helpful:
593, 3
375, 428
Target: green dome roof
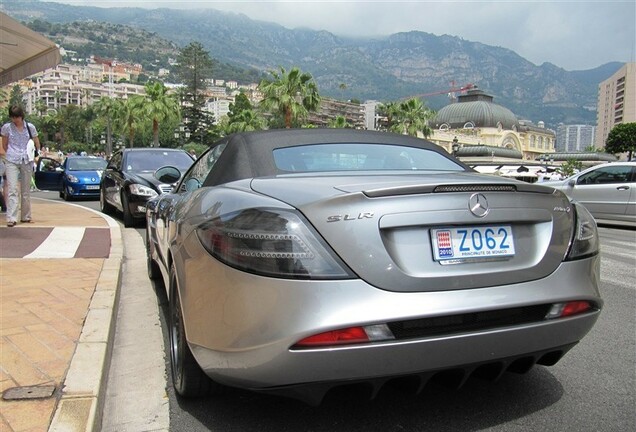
475, 107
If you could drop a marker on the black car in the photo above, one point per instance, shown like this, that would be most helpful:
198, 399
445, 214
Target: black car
128, 181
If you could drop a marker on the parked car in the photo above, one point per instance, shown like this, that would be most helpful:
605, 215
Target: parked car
75, 177
296, 261
128, 182
608, 191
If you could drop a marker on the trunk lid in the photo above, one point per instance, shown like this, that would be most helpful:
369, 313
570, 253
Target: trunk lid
384, 226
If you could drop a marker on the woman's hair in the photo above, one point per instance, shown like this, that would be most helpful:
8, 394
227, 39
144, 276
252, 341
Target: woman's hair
16, 111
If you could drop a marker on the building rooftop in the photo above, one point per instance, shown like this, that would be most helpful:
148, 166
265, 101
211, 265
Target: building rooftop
475, 109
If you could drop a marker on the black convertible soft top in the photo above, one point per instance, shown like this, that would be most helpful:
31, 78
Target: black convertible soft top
250, 154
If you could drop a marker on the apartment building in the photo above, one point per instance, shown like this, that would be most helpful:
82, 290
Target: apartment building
616, 102
70, 85
574, 138
219, 107
332, 108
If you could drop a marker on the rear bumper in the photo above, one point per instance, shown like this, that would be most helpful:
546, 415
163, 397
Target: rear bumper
241, 327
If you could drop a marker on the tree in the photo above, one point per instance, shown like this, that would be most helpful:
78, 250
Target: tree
158, 106
247, 120
240, 104
410, 118
342, 88
242, 117
16, 97
128, 118
66, 120
292, 95
108, 109
570, 167
193, 70
622, 138
338, 123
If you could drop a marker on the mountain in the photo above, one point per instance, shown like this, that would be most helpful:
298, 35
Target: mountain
384, 69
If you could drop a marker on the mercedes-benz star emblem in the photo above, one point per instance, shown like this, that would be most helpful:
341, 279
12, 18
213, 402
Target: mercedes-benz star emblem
478, 205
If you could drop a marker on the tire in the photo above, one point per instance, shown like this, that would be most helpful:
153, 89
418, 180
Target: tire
129, 221
104, 206
66, 195
152, 267
187, 377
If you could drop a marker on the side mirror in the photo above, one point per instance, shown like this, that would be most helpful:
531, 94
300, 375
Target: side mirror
571, 182
192, 184
168, 174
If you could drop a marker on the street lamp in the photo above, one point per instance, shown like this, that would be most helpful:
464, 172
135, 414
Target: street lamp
182, 132
455, 146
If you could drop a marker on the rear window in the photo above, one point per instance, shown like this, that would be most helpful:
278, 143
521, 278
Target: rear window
153, 160
361, 157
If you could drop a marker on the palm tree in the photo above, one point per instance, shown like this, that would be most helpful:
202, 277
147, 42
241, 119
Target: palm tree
245, 121
64, 119
292, 95
108, 108
158, 106
128, 117
410, 118
338, 123
342, 88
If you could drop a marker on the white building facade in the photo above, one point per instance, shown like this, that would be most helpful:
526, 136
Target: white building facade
574, 138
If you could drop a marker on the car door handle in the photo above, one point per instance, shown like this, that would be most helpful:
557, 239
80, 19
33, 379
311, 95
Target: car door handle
622, 188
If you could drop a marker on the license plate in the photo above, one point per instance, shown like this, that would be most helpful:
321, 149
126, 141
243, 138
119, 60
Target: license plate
473, 243
92, 187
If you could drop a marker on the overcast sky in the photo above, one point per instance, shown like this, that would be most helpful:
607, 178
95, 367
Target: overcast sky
574, 35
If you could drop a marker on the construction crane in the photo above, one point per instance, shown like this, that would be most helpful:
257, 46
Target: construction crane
450, 91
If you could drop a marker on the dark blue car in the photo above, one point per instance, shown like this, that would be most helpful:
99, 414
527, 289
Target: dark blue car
76, 177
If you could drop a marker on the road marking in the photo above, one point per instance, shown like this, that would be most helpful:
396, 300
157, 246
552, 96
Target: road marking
61, 243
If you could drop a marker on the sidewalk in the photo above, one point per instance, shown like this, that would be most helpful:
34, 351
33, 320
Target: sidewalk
59, 279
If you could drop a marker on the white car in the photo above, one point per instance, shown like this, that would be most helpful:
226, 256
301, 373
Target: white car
607, 190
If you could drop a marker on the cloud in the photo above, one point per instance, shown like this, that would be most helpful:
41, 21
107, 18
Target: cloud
570, 34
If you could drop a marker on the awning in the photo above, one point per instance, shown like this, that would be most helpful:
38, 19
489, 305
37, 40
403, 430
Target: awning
23, 52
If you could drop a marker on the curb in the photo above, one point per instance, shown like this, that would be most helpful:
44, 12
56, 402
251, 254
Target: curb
82, 400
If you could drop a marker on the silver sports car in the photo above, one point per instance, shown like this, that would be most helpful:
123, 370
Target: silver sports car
297, 261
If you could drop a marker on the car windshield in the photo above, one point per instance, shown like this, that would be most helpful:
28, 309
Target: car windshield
361, 157
86, 164
153, 160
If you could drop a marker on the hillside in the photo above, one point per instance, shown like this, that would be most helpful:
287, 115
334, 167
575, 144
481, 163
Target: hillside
384, 69
127, 44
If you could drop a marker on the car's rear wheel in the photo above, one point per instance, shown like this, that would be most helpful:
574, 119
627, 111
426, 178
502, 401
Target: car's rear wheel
152, 266
188, 378
104, 206
129, 221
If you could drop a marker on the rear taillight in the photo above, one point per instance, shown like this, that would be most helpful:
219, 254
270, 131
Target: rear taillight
350, 335
585, 241
271, 242
562, 310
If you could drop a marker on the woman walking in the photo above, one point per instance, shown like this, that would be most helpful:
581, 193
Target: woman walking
19, 140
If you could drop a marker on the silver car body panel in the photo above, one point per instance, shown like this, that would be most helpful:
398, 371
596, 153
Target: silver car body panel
244, 336
393, 228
